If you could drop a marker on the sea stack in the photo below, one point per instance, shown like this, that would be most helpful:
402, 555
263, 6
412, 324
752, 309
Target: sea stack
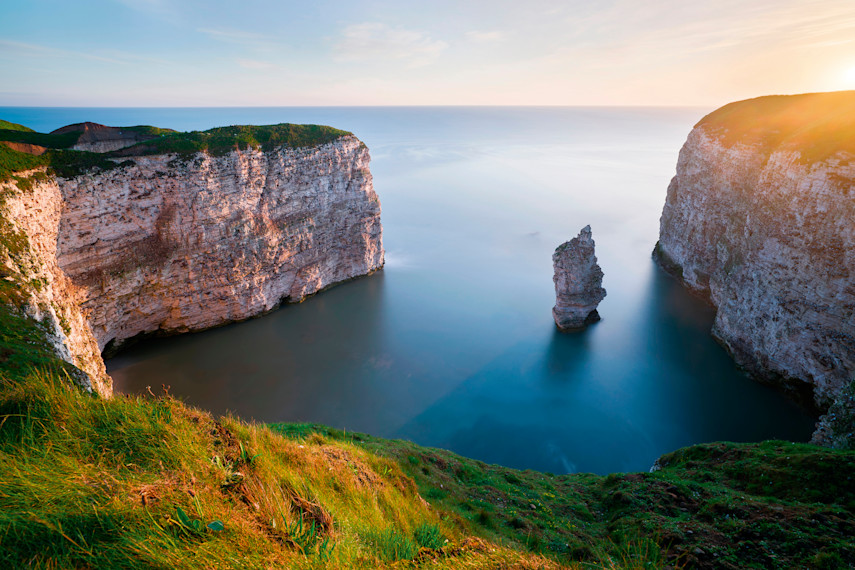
578, 282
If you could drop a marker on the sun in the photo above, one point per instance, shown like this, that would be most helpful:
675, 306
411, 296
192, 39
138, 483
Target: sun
848, 77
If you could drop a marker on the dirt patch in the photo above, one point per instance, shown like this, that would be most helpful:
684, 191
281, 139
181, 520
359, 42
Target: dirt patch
33, 149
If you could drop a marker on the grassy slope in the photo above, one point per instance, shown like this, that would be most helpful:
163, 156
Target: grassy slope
723, 505
14, 126
218, 141
65, 140
99, 484
120, 484
817, 125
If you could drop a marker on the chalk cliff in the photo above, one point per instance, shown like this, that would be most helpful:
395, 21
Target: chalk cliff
578, 282
760, 218
167, 244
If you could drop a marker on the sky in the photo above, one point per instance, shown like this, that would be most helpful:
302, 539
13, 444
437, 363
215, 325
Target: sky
441, 52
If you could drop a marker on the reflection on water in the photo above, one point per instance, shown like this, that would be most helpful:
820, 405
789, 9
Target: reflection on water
603, 401
453, 344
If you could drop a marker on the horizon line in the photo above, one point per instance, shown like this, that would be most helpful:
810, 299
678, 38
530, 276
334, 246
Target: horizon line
651, 106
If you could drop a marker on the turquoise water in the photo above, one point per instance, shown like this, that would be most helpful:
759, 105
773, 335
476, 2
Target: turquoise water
453, 345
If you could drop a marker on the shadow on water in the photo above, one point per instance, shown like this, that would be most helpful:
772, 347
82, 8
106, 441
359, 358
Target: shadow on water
318, 360
702, 392
567, 353
609, 399
527, 409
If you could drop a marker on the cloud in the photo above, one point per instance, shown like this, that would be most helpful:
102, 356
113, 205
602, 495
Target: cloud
35, 50
485, 37
373, 41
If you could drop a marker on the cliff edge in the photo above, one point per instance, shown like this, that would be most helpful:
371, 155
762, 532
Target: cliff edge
178, 235
760, 219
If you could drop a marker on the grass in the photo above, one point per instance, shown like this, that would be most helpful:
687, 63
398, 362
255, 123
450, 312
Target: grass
723, 505
146, 482
222, 140
390, 544
148, 130
817, 125
12, 161
22, 346
63, 163
6, 125
65, 140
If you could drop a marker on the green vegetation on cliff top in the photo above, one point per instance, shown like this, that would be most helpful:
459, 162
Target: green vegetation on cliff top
47, 140
817, 125
13, 126
222, 140
64, 163
218, 141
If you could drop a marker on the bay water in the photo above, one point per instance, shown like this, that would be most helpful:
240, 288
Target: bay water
453, 344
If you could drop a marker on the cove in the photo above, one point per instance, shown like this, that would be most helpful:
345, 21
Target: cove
452, 344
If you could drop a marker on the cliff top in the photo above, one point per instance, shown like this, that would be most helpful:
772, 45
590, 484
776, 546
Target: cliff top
817, 125
14, 126
222, 140
143, 140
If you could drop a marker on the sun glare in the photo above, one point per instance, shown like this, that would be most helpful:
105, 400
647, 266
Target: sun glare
849, 77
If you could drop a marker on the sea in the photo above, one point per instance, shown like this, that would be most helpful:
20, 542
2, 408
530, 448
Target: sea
452, 344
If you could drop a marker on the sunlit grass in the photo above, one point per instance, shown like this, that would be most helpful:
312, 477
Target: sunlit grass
148, 482
817, 125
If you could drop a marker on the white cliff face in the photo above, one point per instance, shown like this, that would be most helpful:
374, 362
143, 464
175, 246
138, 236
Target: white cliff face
770, 239
578, 282
50, 296
171, 245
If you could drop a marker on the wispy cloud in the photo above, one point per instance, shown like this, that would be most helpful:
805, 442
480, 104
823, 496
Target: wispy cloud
374, 41
485, 37
35, 50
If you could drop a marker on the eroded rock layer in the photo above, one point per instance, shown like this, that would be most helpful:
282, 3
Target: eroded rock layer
762, 222
173, 245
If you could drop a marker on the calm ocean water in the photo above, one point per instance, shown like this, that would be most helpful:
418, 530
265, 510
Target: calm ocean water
453, 345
